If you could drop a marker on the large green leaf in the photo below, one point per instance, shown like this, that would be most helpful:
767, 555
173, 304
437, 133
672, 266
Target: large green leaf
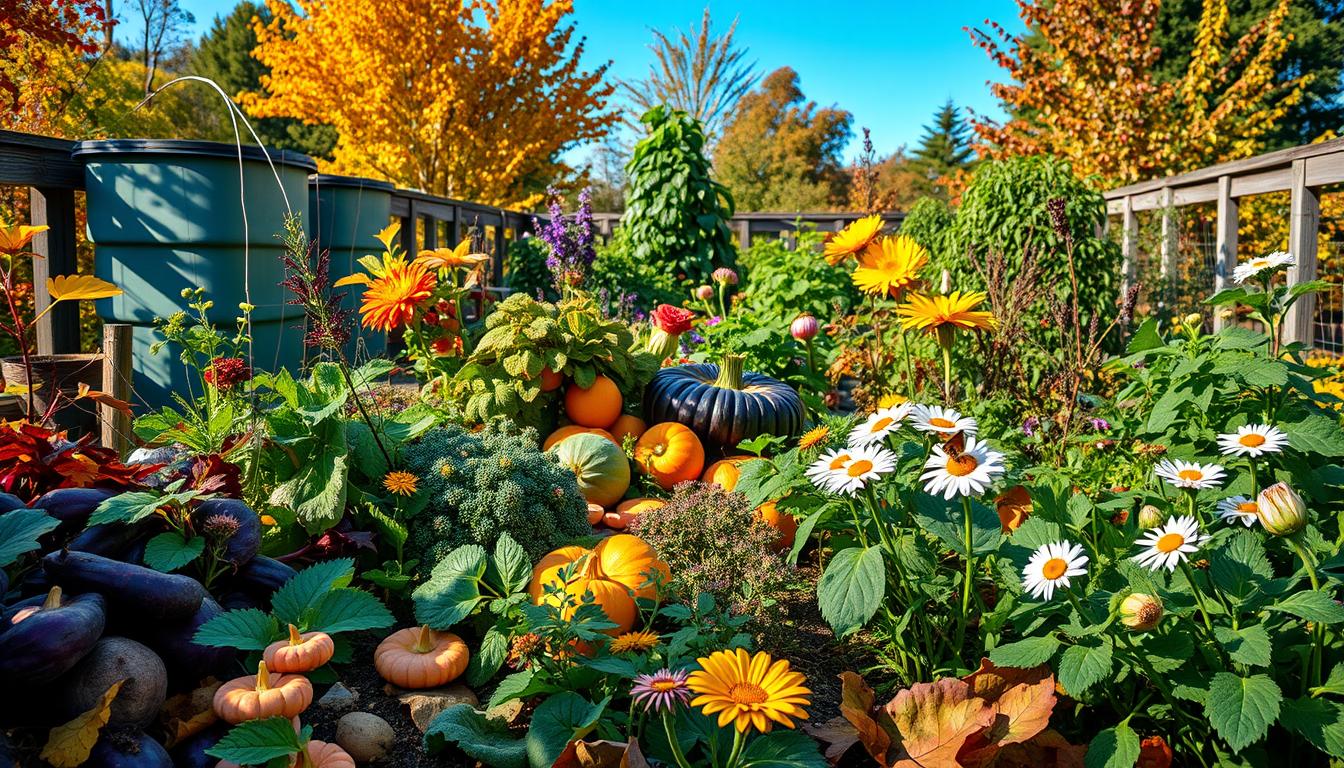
1312, 606
510, 569
454, 588
1316, 433
486, 740
783, 749
557, 721
1241, 709
1145, 337
487, 658
247, 629
348, 610
850, 591
168, 551
257, 742
297, 598
1029, 652
1116, 747
1084, 665
1319, 721
1247, 645
947, 522
317, 491
19, 531
134, 506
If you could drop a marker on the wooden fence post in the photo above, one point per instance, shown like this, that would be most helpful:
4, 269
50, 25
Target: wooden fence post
58, 332
1129, 245
1167, 248
117, 383
1228, 218
1303, 225
743, 234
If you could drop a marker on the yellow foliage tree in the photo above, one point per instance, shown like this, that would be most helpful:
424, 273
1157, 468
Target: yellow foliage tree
473, 99
1084, 88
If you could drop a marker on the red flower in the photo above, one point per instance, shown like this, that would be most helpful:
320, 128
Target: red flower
446, 346
672, 320
1154, 753
227, 372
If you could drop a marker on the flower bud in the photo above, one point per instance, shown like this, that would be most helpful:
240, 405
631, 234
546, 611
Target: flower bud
186, 293
1281, 511
1141, 612
245, 307
1194, 320
1150, 517
704, 292
804, 327
724, 276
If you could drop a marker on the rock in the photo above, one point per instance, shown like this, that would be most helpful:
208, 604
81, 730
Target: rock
367, 737
116, 658
508, 711
338, 698
426, 705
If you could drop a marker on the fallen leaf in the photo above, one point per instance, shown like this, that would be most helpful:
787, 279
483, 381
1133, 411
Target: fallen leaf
856, 705
1047, 750
934, 720
69, 745
102, 398
187, 714
80, 287
837, 734
601, 754
1023, 700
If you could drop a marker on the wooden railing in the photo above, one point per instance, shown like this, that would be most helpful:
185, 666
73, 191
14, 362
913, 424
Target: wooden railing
781, 224
1301, 171
441, 221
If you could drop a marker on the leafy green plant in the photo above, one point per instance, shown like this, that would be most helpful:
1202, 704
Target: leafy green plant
676, 214
19, 532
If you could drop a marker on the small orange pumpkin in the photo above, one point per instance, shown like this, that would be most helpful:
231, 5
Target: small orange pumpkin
316, 754
254, 697
300, 653
570, 430
550, 380
786, 524
595, 513
419, 657
670, 453
725, 472
628, 510
628, 425
616, 571
596, 406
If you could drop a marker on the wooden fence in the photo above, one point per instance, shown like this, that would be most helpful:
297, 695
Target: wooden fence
782, 224
1303, 172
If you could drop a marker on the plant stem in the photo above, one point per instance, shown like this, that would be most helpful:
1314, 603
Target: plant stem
739, 740
962, 620
909, 366
1311, 672
1255, 482
947, 371
672, 742
1199, 597
359, 404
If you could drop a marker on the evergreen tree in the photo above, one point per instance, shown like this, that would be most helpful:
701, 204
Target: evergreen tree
225, 56
944, 148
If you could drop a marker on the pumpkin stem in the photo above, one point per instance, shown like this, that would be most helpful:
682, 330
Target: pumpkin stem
730, 372
424, 641
53, 599
294, 637
263, 677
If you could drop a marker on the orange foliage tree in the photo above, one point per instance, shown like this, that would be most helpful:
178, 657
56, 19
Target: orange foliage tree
474, 99
1084, 88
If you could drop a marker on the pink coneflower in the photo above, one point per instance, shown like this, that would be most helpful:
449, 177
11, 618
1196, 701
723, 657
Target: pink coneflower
663, 691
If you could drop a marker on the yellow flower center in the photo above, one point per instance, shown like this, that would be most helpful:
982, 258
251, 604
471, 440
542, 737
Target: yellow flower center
860, 467
1259, 263
941, 423
1252, 440
1054, 568
1190, 474
1248, 508
882, 423
961, 466
747, 693
1170, 543
840, 461
664, 686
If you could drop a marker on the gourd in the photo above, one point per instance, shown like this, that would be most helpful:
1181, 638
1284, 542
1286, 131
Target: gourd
569, 430
419, 657
300, 653
253, 697
628, 510
786, 524
616, 571
118, 658
598, 464
43, 642
550, 380
595, 406
595, 513
133, 593
723, 405
670, 453
725, 472
628, 425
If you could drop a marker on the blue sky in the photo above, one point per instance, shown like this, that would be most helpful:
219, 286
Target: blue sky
889, 63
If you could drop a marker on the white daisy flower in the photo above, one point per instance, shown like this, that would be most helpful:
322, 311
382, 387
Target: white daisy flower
1246, 270
1189, 474
879, 424
1253, 440
967, 473
1239, 509
944, 421
1169, 544
822, 472
869, 463
1052, 566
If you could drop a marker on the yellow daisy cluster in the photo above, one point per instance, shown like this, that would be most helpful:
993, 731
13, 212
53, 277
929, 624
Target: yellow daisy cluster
1332, 385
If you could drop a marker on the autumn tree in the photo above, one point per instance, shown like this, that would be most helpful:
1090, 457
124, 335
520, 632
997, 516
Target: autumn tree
38, 40
781, 152
1083, 87
475, 99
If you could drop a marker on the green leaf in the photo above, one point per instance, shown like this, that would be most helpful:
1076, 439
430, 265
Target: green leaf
257, 742
127, 507
1116, 747
1319, 721
1029, 652
1145, 338
297, 598
1082, 666
317, 491
510, 568
783, 749
1247, 645
948, 524
512, 686
1334, 683
348, 610
1241, 709
1167, 653
1312, 606
557, 721
1240, 567
1316, 433
454, 588
19, 531
850, 590
1235, 337
486, 740
488, 658
392, 531
168, 551
247, 629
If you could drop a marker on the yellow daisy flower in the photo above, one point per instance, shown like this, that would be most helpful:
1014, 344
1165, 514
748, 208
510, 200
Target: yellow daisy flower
890, 265
749, 691
953, 311
851, 240
634, 642
814, 437
400, 483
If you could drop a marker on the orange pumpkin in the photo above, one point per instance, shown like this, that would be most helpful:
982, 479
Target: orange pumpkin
550, 380
258, 696
300, 653
419, 657
725, 472
628, 510
570, 430
786, 524
616, 571
595, 512
670, 453
596, 406
628, 425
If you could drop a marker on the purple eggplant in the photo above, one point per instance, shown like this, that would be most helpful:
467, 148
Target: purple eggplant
134, 593
111, 539
186, 661
127, 749
9, 502
45, 641
261, 576
72, 506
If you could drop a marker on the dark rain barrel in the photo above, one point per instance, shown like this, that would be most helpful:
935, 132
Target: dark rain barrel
165, 215
347, 213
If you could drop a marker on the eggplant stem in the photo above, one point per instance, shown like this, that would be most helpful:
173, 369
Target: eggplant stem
53, 599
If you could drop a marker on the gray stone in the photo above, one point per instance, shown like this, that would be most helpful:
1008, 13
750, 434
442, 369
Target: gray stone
367, 737
338, 698
509, 711
425, 705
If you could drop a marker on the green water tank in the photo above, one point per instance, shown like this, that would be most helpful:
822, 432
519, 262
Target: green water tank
166, 215
347, 213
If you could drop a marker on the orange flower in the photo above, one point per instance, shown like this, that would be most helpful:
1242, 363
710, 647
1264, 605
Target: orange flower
447, 258
1154, 753
938, 312
392, 300
1014, 507
851, 240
